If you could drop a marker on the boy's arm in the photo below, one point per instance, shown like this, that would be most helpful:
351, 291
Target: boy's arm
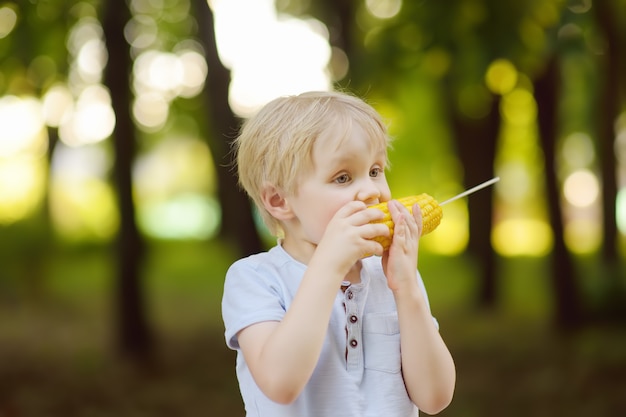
282, 355
427, 365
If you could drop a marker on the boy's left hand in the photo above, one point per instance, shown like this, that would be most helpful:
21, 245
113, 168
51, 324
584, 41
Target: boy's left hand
400, 261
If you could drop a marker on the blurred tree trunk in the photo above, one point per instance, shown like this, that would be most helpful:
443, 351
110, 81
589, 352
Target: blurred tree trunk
568, 308
607, 116
338, 16
608, 112
237, 213
134, 334
476, 141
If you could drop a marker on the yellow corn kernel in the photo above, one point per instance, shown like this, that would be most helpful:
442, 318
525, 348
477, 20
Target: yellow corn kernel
431, 215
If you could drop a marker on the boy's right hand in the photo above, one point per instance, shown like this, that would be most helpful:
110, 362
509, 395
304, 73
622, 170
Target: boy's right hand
348, 235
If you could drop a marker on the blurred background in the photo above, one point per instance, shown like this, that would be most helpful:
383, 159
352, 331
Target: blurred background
120, 213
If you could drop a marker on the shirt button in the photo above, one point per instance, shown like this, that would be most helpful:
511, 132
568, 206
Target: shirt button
353, 319
350, 295
353, 343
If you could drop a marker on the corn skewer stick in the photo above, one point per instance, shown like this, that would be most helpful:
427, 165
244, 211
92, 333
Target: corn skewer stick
472, 190
431, 211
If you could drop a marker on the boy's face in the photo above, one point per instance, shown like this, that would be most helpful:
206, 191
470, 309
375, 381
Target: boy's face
340, 173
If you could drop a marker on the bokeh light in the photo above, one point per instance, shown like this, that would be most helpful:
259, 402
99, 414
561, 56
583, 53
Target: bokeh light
501, 76
577, 150
186, 216
273, 56
519, 107
583, 235
87, 50
452, 234
8, 19
176, 202
621, 210
515, 182
92, 120
58, 105
82, 201
22, 127
22, 187
581, 188
383, 9
522, 237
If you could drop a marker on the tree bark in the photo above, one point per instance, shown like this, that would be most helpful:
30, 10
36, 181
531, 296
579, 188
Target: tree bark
238, 223
609, 107
568, 309
613, 306
134, 336
476, 141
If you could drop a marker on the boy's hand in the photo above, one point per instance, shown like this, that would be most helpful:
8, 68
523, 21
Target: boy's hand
348, 236
400, 261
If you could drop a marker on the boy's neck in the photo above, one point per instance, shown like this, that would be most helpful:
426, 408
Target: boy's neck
304, 256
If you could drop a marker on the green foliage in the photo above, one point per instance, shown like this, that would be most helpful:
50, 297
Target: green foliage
34, 54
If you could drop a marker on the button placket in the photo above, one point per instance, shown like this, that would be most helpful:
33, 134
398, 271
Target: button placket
354, 353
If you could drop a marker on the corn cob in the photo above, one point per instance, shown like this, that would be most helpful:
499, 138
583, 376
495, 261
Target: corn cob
431, 215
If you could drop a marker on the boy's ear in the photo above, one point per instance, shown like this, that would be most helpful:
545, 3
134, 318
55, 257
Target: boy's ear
275, 203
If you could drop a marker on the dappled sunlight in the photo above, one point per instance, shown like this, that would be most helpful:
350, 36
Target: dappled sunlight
274, 56
141, 31
8, 19
521, 227
582, 212
516, 183
160, 77
159, 72
150, 111
581, 193
22, 186
621, 210
501, 76
88, 53
581, 188
23, 130
82, 201
175, 165
519, 107
57, 105
577, 151
583, 235
173, 183
184, 216
451, 236
92, 120
383, 9
522, 237
84, 210
80, 163
23, 144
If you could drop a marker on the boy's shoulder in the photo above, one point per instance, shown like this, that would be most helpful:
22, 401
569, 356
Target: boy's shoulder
276, 257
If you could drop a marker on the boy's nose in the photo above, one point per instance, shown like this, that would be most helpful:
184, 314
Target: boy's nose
370, 193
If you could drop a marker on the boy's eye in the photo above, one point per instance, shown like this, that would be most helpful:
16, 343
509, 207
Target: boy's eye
342, 179
375, 172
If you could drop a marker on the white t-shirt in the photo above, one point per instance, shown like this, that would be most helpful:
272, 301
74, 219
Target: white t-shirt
359, 370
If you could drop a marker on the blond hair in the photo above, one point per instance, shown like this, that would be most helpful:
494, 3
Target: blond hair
274, 146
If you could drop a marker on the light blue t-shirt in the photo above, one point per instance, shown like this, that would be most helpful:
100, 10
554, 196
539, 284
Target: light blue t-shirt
359, 370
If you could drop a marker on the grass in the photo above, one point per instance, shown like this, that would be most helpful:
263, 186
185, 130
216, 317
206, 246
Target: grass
56, 356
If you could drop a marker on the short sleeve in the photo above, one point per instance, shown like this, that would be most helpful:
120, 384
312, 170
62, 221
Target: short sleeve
251, 295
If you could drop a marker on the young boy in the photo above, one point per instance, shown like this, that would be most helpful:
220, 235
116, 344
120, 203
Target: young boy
320, 329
